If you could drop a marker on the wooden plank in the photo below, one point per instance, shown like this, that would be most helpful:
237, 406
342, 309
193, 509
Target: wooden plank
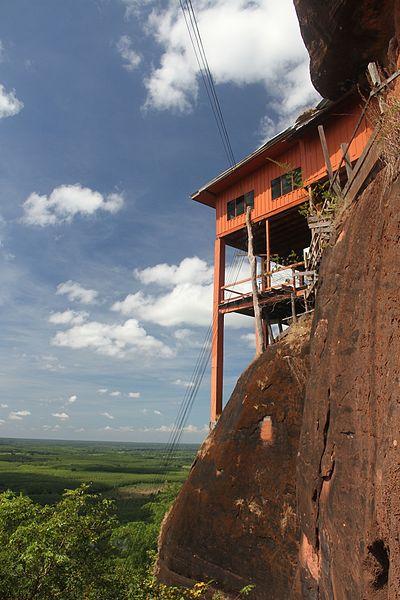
325, 151
361, 160
327, 159
374, 74
347, 163
362, 174
319, 224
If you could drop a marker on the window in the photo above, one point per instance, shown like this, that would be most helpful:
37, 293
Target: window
231, 209
286, 183
238, 207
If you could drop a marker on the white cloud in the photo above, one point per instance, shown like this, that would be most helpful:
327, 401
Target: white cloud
9, 103
102, 391
185, 304
63, 416
250, 339
18, 415
3, 405
72, 399
189, 302
107, 428
2, 421
265, 47
195, 429
65, 202
183, 334
48, 362
190, 429
133, 7
134, 394
131, 58
157, 412
115, 393
107, 415
190, 270
161, 429
112, 339
69, 317
74, 291
50, 427
182, 383
80, 430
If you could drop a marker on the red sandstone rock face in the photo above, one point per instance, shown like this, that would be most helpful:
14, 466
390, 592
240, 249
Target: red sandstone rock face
343, 36
234, 521
349, 467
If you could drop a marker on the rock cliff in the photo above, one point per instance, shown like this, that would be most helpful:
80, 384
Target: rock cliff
316, 417
343, 36
348, 465
234, 521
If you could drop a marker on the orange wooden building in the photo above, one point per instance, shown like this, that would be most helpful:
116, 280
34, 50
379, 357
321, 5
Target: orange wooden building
273, 181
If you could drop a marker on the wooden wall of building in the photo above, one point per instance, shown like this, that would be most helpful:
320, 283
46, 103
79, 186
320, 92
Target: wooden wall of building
305, 153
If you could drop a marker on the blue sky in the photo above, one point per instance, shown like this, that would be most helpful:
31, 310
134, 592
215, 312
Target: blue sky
105, 263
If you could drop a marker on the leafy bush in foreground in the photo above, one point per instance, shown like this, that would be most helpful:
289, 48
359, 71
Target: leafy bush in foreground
60, 552
76, 550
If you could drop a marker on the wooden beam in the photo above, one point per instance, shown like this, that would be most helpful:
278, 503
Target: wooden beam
260, 343
362, 173
376, 82
360, 162
217, 347
374, 74
349, 170
293, 303
327, 158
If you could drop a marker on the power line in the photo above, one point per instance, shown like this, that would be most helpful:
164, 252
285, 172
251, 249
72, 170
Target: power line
205, 352
205, 71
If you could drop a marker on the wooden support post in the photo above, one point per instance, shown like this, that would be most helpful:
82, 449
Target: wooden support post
217, 350
263, 276
260, 343
310, 199
293, 302
270, 333
268, 252
305, 301
327, 158
347, 162
265, 331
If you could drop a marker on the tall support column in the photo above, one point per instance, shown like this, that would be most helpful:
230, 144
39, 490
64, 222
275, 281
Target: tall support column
268, 252
217, 351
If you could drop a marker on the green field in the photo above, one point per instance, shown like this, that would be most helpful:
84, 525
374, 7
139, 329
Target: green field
129, 473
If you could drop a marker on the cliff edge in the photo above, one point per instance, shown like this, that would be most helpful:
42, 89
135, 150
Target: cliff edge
235, 521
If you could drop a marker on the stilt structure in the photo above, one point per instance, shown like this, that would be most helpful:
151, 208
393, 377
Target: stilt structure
323, 148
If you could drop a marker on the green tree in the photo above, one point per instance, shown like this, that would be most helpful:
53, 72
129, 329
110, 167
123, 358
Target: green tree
58, 552
137, 541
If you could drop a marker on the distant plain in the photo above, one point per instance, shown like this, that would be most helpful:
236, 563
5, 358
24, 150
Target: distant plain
130, 473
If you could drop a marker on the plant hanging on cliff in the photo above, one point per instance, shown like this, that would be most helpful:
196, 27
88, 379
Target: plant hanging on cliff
388, 138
